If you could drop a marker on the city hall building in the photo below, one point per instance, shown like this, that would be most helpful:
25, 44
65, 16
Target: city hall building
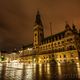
61, 47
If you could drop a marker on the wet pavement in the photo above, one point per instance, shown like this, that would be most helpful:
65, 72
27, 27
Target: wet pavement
39, 72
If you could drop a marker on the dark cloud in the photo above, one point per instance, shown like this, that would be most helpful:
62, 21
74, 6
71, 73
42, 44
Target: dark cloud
17, 18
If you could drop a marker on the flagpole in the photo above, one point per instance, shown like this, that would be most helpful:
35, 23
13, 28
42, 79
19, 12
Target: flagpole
51, 35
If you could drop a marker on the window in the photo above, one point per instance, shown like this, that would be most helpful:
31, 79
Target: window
70, 48
36, 47
60, 56
56, 50
64, 56
68, 33
52, 55
62, 36
49, 46
35, 40
40, 34
60, 49
58, 42
70, 39
72, 55
59, 36
62, 42
73, 48
55, 44
49, 40
41, 47
35, 34
63, 49
49, 56
46, 46
67, 39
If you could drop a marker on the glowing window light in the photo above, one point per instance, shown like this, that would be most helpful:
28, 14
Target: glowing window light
48, 68
15, 64
78, 69
20, 51
59, 69
40, 69
58, 64
0, 64
30, 49
77, 63
76, 57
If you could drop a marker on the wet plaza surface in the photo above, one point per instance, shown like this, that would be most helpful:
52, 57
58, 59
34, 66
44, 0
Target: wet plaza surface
20, 71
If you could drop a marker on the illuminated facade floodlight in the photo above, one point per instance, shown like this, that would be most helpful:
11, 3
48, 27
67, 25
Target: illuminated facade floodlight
20, 51
30, 49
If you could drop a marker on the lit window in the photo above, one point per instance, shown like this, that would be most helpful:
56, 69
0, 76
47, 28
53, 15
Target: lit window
72, 55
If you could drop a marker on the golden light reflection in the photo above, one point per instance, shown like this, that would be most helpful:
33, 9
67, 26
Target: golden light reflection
28, 75
78, 69
45, 68
0, 64
29, 65
48, 68
40, 69
59, 69
15, 65
18, 74
34, 69
40, 60
34, 65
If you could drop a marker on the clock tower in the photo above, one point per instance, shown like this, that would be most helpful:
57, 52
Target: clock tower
38, 31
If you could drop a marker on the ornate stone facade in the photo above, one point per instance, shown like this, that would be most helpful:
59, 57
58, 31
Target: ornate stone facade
61, 47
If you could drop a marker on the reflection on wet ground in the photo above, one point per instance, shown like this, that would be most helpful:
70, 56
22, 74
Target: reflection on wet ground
40, 72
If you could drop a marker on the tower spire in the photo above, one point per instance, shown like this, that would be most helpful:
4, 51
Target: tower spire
38, 19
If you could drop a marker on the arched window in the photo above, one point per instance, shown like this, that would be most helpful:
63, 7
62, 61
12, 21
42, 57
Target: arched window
59, 36
35, 34
70, 47
64, 56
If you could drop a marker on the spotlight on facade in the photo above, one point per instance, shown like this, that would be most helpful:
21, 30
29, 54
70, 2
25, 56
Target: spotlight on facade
30, 49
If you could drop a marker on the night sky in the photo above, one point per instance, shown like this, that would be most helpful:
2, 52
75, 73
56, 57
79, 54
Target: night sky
17, 18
